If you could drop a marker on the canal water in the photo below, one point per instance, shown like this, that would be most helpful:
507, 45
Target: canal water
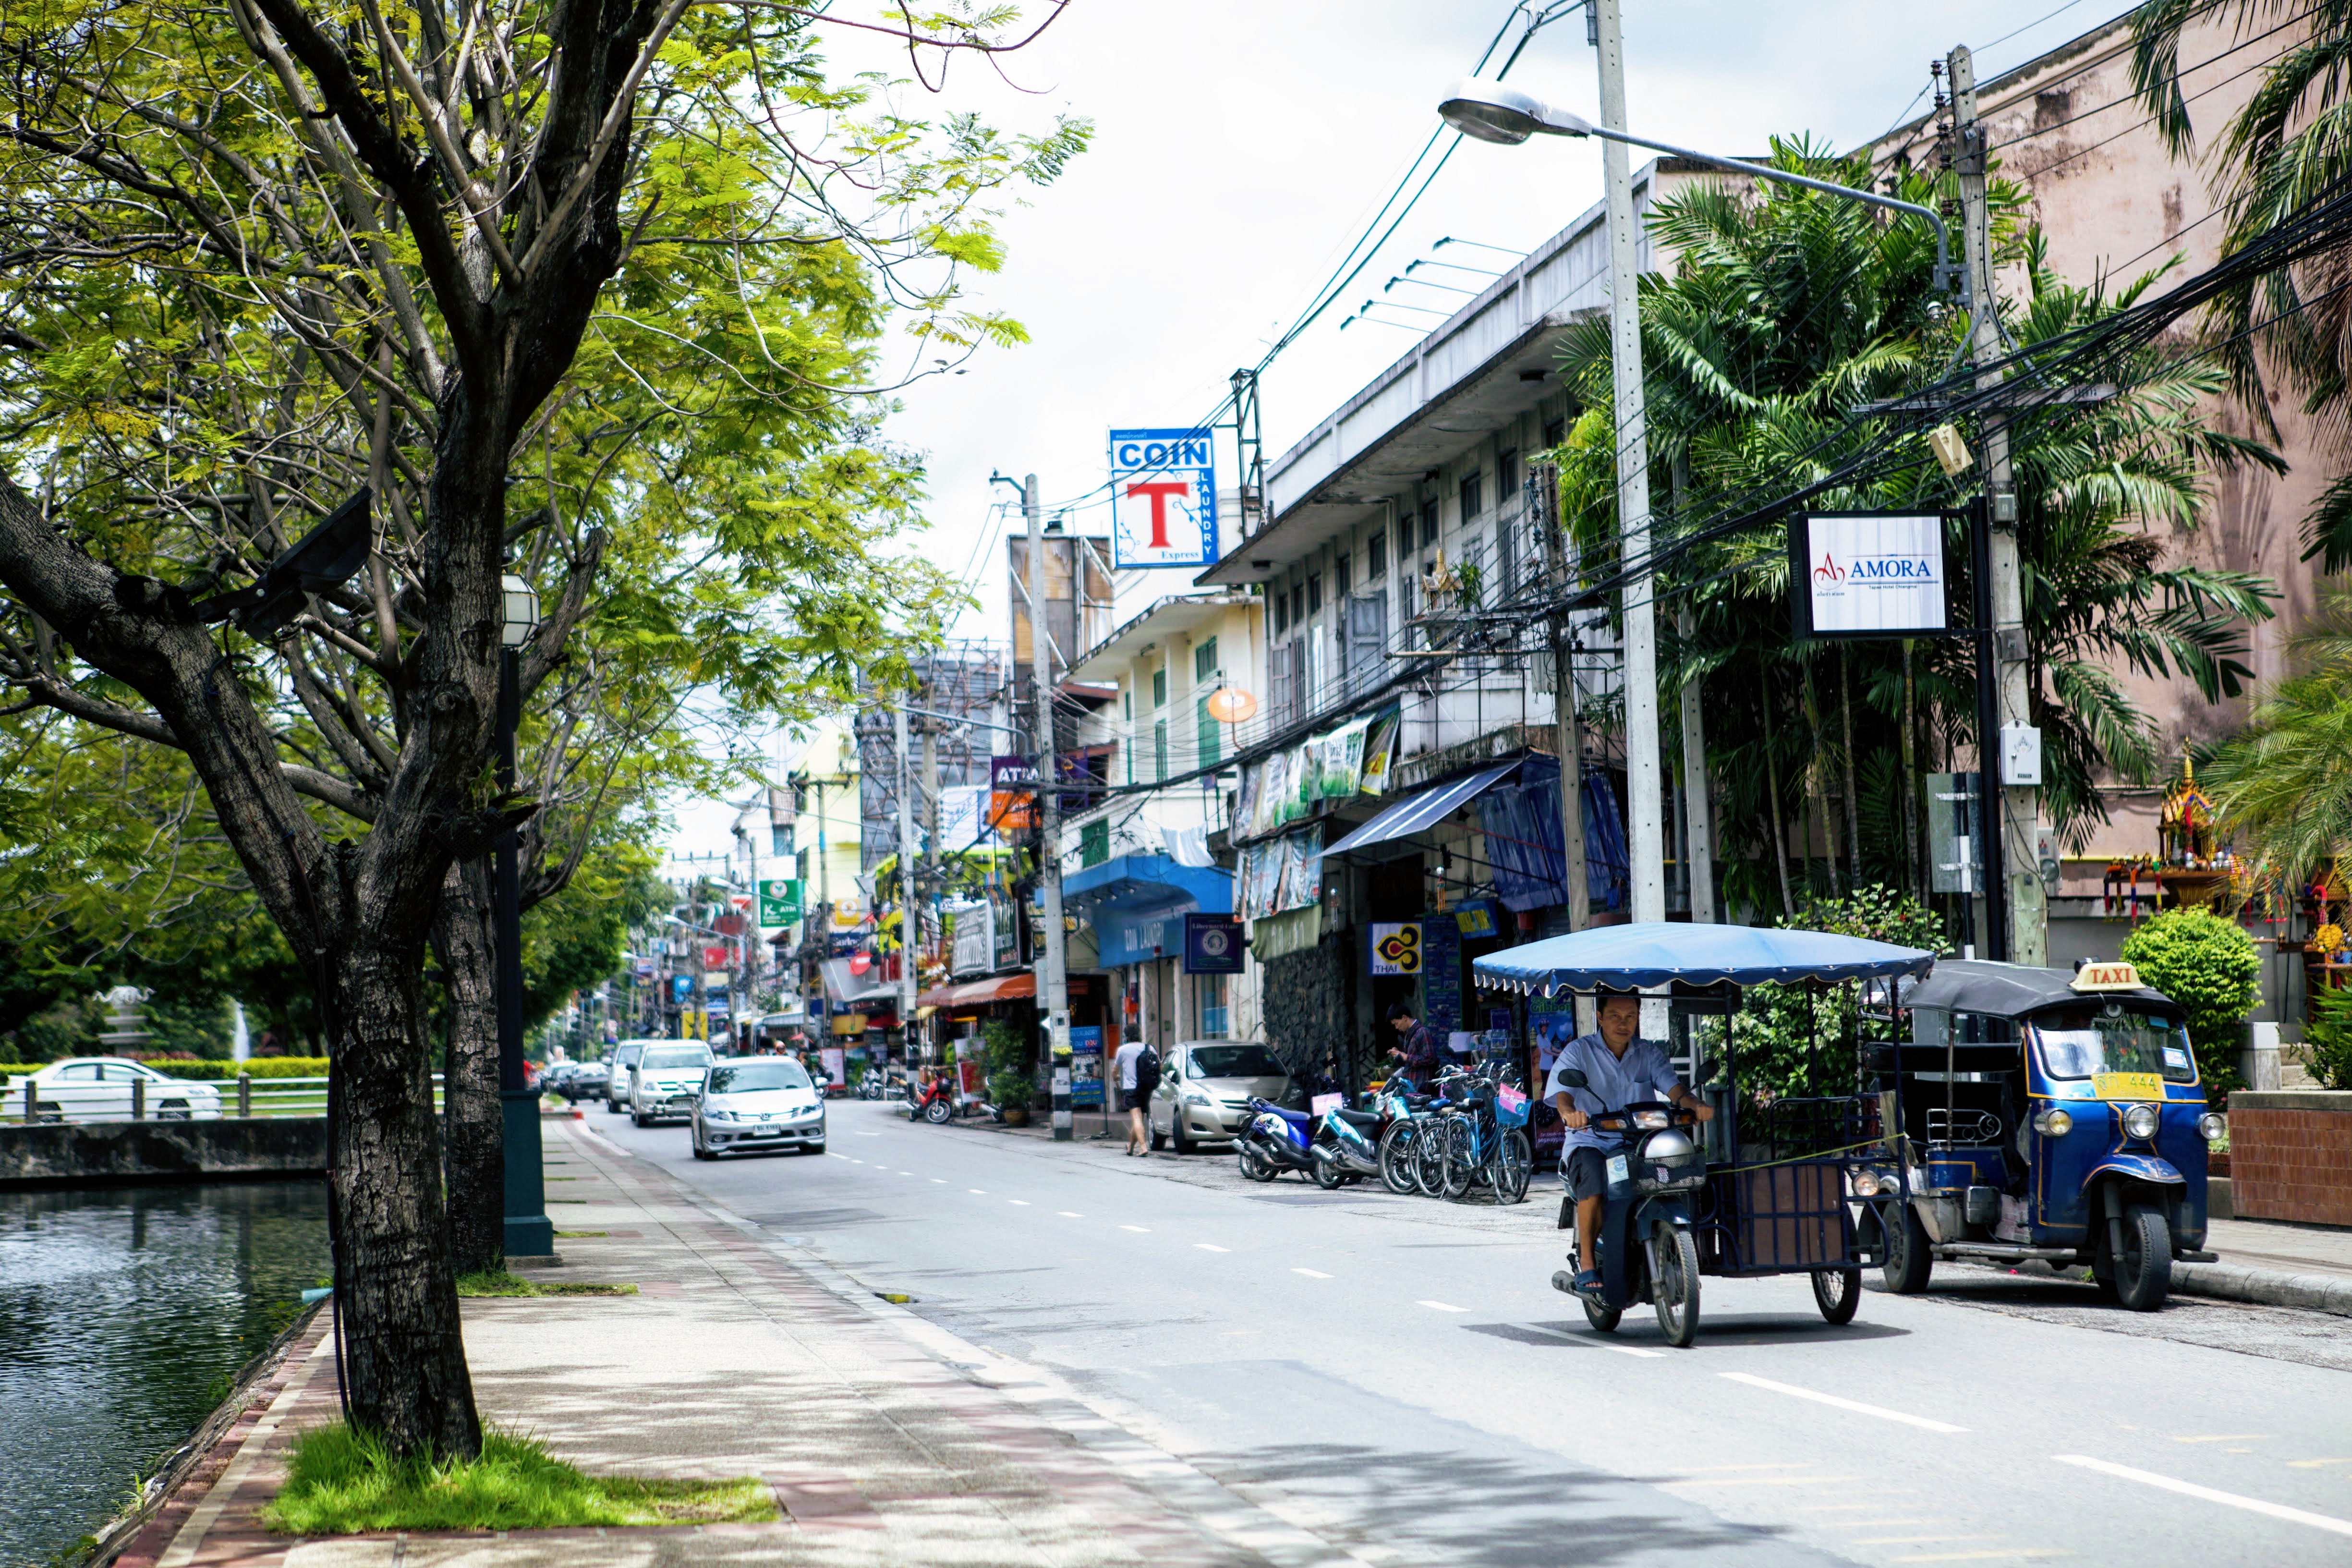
124, 1312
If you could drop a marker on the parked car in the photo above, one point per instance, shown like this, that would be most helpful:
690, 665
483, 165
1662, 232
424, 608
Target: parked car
666, 1081
1205, 1088
586, 1081
103, 1089
623, 1065
758, 1102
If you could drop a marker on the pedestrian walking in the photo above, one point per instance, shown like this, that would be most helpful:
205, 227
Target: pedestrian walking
1137, 1070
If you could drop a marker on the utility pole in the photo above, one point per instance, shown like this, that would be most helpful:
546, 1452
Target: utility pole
1645, 834
935, 862
1054, 984
1563, 701
909, 929
2012, 813
1698, 812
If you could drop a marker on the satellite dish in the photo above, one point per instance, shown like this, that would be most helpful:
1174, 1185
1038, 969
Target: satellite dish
1232, 705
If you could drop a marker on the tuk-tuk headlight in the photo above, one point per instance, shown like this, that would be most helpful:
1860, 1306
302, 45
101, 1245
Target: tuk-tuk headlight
2211, 1127
2053, 1123
1866, 1183
2140, 1121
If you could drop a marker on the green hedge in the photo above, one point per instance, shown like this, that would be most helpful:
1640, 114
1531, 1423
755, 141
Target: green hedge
2211, 966
259, 1066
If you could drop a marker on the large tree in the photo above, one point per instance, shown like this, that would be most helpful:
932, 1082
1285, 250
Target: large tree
257, 255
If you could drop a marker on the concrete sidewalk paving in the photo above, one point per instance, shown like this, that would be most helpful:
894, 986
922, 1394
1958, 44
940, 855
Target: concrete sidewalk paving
886, 1439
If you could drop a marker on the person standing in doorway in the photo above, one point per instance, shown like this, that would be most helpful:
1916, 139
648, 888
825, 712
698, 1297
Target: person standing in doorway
1419, 1054
1128, 1076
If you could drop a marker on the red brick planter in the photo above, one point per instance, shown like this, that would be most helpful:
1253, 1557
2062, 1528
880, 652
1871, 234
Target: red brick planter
2291, 1155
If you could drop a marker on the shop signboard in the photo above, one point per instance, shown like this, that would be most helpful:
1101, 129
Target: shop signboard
1213, 944
1012, 793
1869, 574
1163, 499
1477, 918
780, 902
1396, 947
836, 1061
1441, 974
1085, 1066
972, 951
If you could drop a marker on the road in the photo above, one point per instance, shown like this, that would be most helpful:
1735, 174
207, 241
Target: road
1397, 1377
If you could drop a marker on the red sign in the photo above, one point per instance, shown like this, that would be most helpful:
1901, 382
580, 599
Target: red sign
714, 957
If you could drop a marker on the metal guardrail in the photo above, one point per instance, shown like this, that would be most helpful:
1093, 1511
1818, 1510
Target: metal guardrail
243, 1095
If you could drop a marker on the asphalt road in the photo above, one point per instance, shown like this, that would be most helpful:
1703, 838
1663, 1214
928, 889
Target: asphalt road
1397, 1377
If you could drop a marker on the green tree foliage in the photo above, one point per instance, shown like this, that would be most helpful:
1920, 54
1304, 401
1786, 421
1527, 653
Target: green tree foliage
2283, 786
1785, 309
2208, 965
1012, 1077
2327, 1048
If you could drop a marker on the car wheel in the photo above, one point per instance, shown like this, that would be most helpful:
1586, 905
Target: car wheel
1176, 1134
638, 1119
614, 1106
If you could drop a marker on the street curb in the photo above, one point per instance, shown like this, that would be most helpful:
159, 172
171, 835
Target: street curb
2265, 1286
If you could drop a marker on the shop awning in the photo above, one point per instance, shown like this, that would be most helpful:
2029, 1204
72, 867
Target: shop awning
1151, 882
1003, 988
1417, 813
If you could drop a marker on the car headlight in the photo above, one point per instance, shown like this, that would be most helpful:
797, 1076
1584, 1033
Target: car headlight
2053, 1123
2140, 1121
1194, 1097
2212, 1127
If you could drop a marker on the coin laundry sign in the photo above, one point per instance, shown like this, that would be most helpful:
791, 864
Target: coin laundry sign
1163, 499
1868, 574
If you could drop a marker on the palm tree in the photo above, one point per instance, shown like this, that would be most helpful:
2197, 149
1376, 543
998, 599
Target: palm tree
2285, 787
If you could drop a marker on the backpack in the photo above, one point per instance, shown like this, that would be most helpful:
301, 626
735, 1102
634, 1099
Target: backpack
1147, 1072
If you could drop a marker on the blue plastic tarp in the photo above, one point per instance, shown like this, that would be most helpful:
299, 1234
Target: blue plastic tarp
1656, 952
1521, 823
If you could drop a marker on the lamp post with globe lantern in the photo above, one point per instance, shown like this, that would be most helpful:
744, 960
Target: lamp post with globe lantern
528, 1232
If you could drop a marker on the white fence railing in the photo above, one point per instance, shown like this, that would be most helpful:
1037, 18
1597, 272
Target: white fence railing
177, 1099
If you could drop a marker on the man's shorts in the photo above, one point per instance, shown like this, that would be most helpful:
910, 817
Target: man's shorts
1585, 1172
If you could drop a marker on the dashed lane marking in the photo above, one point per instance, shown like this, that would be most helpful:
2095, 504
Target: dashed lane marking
1067, 1214
1210, 1247
2328, 1522
1856, 1405
1441, 1307
1018, 1203
1318, 1274
1137, 1228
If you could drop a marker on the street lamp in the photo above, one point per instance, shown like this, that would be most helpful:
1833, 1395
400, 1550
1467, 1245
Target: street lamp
528, 1232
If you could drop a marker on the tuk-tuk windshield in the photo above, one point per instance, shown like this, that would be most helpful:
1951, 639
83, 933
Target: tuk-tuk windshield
2080, 1042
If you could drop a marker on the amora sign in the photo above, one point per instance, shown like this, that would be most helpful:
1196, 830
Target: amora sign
1163, 499
1870, 575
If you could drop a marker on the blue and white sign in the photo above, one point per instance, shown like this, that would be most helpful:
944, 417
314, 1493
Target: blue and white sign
1163, 499
1871, 574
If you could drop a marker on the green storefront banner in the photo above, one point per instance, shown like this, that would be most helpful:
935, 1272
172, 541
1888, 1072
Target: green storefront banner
780, 903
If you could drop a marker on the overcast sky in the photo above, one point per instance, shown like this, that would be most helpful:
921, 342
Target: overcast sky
1239, 150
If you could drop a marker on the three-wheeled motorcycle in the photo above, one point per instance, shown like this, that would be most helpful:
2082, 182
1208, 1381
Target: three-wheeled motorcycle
1769, 1194
2031, 1113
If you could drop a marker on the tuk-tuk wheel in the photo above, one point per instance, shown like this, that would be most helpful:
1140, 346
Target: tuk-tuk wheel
2142, 1277
1908, 1262
1837, 1292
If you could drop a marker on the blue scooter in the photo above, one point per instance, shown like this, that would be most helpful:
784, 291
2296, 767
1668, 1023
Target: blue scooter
1275, 1139
1645, 1250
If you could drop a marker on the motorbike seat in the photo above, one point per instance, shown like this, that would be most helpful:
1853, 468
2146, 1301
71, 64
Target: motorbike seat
1364, 1119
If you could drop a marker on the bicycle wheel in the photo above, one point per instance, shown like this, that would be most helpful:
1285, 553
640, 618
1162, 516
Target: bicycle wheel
1515, 1161
1461, 1160
1397, 1158
1428, 1155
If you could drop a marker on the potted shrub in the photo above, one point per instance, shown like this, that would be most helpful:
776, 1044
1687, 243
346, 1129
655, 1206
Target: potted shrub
1005, 1054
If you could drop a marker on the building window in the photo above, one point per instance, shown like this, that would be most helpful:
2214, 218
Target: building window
1376, 557
1341, 577
1428, 524
1093, 843
1205, 730
1298, 604
1213, 1016
1159, 751
1470, 496
1314, 593
1555, 432
1160, 688
1204, 661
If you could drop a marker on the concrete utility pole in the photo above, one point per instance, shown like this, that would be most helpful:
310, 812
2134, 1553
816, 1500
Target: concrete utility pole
934, 859
2019, 808
1645, 835
1698, 811
910, 931
1563, 699
1053, 980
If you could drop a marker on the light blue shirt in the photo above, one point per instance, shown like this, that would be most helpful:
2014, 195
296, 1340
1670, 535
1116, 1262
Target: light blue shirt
1612, 1082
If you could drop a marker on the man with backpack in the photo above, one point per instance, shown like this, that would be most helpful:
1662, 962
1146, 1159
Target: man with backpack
1137, 1066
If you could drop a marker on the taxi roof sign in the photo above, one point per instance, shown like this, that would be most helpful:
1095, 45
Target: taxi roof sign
2111, 976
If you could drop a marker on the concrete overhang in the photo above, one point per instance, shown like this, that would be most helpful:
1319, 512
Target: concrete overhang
1163, 621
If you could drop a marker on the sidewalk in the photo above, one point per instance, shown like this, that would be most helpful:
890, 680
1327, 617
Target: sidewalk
887, 1440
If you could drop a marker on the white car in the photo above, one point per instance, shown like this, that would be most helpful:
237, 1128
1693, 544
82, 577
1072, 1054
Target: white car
1205, 1088
758, 1102
106, 1088
668, 1080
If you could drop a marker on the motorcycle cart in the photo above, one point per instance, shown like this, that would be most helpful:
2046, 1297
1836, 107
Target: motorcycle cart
1773, 1197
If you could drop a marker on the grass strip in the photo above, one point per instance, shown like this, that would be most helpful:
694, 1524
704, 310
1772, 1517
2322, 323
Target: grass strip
576, 1235
499, 1282
341, 1482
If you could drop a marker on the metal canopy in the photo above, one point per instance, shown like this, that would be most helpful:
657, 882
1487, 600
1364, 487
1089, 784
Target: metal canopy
1424, 811
2013, 990
1655, 953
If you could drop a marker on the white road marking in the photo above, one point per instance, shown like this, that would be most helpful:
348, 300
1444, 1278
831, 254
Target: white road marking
1210, 1246
939, 1181
1067, 1214
2227, 1500
1440, 1307
1311, 1273
977, 1191
1597, 1343
1856, 1405
846, 1157
1996, 1555
1137, 1228
1018, 1203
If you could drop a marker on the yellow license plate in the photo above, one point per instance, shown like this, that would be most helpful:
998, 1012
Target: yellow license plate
2128, 1085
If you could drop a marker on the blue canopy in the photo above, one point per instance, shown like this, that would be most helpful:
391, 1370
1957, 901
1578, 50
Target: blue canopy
1652, 955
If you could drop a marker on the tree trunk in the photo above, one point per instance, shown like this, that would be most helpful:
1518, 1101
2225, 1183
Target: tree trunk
1818, 772
1773, 794
473, 1118
1914, 859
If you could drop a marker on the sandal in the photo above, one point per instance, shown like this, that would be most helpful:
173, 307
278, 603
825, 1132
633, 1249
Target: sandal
1588, 1282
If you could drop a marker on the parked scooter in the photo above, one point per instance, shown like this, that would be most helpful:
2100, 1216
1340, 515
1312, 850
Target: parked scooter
1646, 1251
1347, 1146
1275, 1139
936, 1104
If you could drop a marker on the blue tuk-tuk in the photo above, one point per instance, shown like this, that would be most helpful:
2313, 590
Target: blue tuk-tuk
2031, 1113
1773, 1194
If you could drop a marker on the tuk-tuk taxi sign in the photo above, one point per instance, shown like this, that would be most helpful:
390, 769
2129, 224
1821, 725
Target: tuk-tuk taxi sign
2116, 976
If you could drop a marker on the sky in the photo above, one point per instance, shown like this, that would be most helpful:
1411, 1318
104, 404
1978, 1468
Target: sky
1239, 150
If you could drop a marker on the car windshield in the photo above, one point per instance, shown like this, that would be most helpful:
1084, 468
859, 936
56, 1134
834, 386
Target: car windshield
676, 1056
1234, 1061
2081, 1042
626, 1055
751, 1077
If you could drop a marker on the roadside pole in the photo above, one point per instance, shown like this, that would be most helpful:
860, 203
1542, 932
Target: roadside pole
908, 929
1563, 698
1053, 984
1699, 830
2013, 811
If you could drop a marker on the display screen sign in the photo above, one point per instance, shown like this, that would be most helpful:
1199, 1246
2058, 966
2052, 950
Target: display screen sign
1869, 574
1213, 944
1163, 499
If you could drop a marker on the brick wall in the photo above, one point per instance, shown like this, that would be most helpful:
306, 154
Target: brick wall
1307, 998
2291, 1156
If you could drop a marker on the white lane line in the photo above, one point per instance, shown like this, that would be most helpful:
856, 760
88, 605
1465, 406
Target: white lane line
1210, 1246
1440, 1307
1311, 1273
844, 1157
1856, 1405
1070, 1213
939, 1181
1596, 1342
2228, 1500
1018, 1203
977, 1191
1137, 1228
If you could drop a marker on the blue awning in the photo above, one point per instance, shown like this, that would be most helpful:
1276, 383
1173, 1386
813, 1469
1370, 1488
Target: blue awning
1416, 814
1655, 953
1151, 882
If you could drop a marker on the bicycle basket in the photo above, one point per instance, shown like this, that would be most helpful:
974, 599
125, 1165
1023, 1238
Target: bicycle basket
1510, 1106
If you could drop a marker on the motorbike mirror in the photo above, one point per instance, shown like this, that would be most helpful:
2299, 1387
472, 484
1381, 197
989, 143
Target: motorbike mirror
1570, 1077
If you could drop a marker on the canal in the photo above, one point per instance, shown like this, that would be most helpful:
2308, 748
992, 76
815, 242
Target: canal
124, 1312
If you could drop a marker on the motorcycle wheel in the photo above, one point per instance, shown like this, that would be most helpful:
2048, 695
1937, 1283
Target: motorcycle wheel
939, 1114
1254, 1166
1908, 1262
1674, 1291
1604, 1319
1397, 1159
1837, 1292
1328, 1174
1461, 1165
1515, 1162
